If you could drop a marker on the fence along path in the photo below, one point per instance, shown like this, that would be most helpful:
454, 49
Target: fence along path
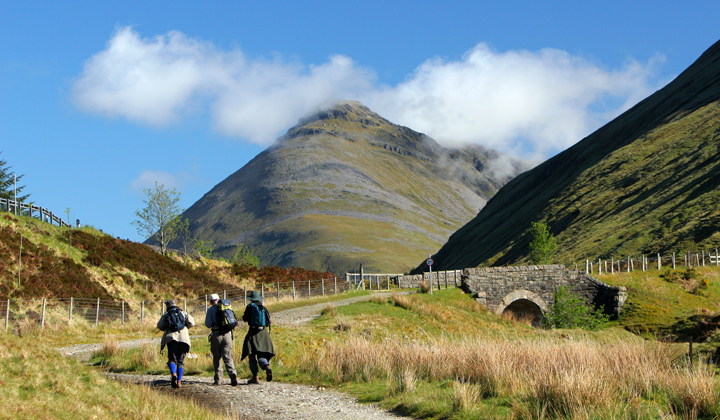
43, 214
45, 312
651, 262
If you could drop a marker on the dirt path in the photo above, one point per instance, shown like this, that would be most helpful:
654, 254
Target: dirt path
268, 400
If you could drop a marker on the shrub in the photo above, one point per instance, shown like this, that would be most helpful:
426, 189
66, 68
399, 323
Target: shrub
569, 311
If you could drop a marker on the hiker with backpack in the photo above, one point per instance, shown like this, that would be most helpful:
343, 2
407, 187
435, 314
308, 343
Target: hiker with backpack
257, 344
175, 323
221, 320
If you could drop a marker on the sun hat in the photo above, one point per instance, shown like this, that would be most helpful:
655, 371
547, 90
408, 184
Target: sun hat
214, 296
255, 296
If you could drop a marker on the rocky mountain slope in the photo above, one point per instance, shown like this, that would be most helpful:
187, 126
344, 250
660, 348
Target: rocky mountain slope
344, 187
648, 181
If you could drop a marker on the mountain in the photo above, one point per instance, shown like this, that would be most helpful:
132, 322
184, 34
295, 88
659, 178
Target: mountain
647, 182
346, 186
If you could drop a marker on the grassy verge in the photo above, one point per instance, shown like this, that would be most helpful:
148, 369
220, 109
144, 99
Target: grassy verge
36, 382
443, 356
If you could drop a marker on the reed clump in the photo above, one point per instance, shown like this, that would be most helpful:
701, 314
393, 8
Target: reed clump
544, 378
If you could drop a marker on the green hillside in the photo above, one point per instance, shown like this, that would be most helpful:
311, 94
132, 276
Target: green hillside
84, 263
646, 182
345, 187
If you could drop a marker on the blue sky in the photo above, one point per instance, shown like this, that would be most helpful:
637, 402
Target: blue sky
97, 101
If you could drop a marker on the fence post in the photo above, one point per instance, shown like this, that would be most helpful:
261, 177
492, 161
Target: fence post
185, 304
245, 296
309, 290
262, 291
599, 266
659, 262
673, 260
7, 316
97, 312
122, 319
628, 264
717, 260
322, 282
42, 322
142, 312
278, 291
335, 285
206, 303
224, 294
587, 267
71, 311
293, 286
703, 255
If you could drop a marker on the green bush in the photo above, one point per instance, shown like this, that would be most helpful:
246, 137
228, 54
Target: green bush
569, 311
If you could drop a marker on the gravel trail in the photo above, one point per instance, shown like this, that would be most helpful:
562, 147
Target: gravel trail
265, 401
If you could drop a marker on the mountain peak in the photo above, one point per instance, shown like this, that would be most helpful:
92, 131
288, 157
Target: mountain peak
350, 111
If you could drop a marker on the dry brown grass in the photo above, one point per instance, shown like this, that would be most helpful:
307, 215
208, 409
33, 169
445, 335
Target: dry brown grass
575, 379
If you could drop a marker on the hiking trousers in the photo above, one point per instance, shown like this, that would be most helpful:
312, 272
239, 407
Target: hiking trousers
221, 348
261, 358
176, 353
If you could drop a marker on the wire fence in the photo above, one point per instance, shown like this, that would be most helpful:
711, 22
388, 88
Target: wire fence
652, 262
49, 312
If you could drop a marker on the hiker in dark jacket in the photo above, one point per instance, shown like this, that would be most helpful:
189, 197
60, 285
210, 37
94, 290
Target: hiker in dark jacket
257, 345
178, 342
221, 344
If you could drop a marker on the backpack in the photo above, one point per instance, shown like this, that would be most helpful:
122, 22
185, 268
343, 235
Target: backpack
175, 320
259, 316
225, 320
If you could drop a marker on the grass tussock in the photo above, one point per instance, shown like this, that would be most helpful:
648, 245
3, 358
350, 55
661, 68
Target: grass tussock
36, 382
543, 378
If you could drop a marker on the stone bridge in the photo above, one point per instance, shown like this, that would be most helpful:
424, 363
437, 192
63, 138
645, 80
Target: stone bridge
527, 291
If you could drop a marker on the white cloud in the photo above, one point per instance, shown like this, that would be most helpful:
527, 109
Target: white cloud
147, 179
525, 103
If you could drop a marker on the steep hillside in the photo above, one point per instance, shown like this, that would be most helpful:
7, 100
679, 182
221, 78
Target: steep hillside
345, 187
84, 263
646, 182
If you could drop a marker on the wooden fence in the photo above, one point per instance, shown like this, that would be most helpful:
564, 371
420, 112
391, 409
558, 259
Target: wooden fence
45, 312
651, 262
30, 209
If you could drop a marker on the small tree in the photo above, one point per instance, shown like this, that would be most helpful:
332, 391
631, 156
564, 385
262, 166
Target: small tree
8, 181
569, 311
245, 255
184, 234
159, 219
543, 245
204, 248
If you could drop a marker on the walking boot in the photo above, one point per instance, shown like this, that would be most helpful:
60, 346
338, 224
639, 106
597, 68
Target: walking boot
253, 380
173, 380
269, 373
233, 380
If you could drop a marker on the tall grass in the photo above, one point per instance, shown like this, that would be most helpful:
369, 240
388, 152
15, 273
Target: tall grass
543, 378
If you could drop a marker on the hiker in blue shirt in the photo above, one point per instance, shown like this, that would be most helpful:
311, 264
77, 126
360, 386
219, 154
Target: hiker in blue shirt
257, 344
221, 344
175, 323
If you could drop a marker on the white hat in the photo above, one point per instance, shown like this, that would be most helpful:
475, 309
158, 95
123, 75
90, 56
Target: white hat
214, 296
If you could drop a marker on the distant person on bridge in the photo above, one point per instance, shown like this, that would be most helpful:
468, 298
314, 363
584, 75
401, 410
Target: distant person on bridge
175, 323
257, 344
221, 321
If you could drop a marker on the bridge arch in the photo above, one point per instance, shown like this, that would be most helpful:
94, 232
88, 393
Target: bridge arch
523, 303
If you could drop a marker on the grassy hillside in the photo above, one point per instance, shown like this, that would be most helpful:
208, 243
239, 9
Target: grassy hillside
60, 262
346, 187
647, 182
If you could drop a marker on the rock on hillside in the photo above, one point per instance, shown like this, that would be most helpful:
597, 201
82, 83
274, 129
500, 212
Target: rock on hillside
345, 186
648, 181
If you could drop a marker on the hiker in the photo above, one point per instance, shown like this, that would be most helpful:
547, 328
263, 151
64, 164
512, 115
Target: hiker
221, 342
175, 323
257, 344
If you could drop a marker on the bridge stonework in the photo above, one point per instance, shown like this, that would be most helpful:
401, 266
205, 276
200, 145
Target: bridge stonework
498, 287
